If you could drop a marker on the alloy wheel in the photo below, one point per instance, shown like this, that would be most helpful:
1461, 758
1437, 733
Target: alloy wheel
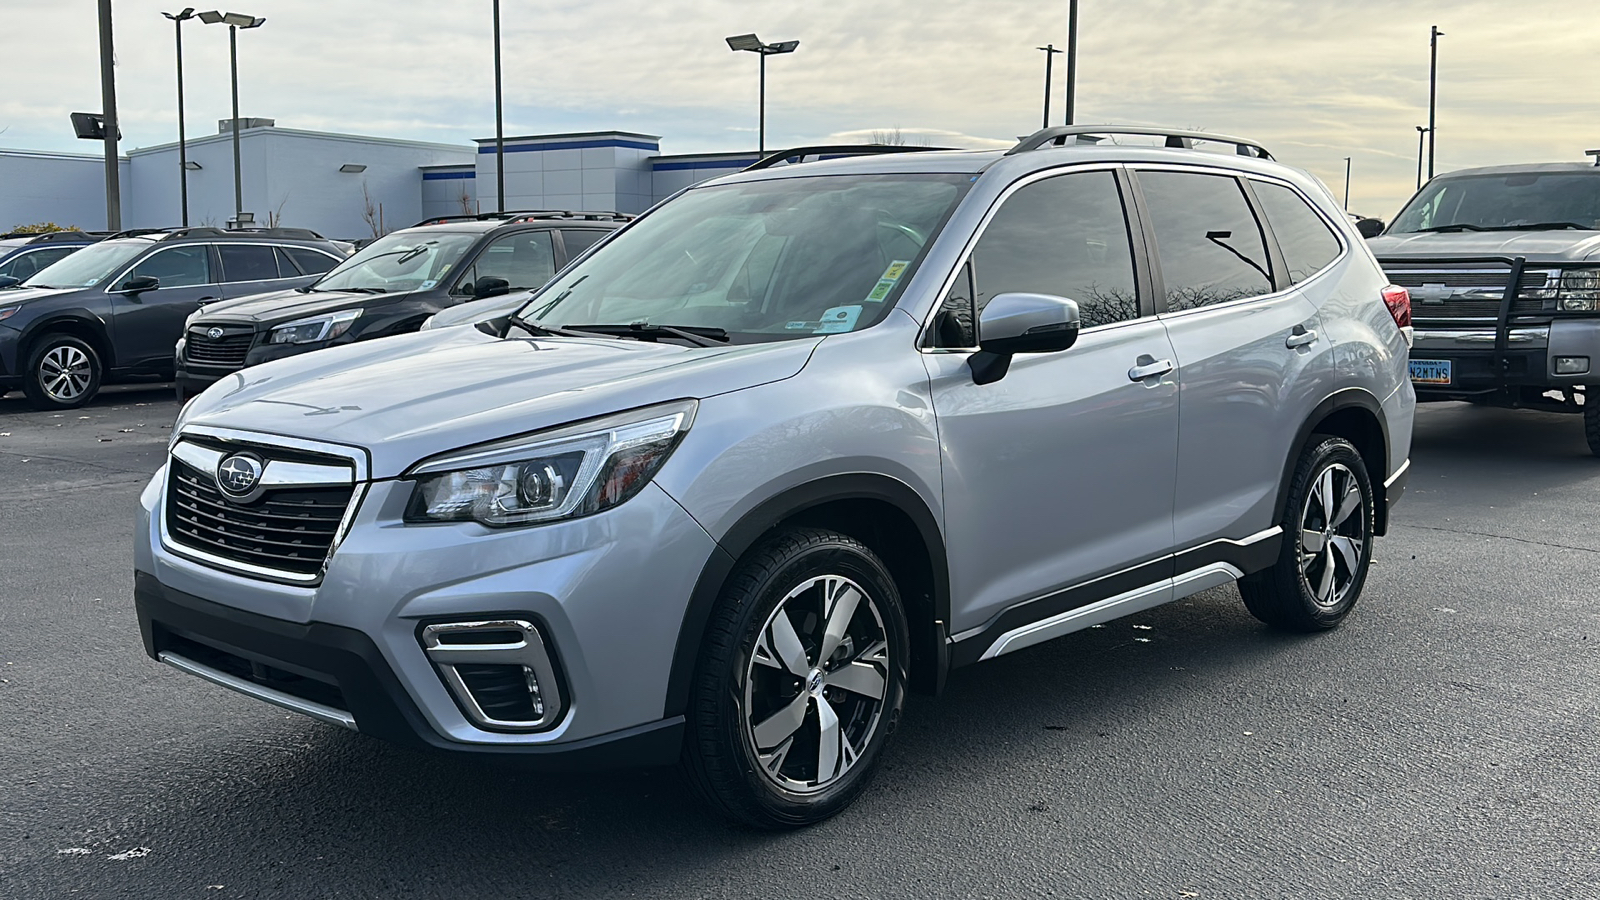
65, 373
815, 685
1333, 535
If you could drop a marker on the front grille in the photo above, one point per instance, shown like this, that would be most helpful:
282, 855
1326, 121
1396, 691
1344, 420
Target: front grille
1484, 279
1488, 280
226, 352
288, 529
1471, 309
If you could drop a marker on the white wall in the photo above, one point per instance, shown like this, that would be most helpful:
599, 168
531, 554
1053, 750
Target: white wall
606, 178
68, 189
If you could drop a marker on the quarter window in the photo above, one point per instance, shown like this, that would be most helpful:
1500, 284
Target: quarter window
580, 239
1308, 244
187, 266
248, 262
1210, 244
310, 261
1066, 236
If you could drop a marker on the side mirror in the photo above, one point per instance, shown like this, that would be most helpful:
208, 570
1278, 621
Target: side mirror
140, 284
489, 286
8, 281
1021, 323
1370, 228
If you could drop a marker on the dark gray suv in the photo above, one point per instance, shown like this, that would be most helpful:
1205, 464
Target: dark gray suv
791, 444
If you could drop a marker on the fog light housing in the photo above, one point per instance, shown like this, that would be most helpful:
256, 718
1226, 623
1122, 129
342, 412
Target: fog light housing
498, 671
1572, 365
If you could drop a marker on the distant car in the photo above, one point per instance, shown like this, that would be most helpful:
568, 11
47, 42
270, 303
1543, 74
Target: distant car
1503, 266
23, 255
391, 286
113, 310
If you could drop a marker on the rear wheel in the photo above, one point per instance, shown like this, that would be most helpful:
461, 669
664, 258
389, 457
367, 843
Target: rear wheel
800, 682
63, 372
1327, 542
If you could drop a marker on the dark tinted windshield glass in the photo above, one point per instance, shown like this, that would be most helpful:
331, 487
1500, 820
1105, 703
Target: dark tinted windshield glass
89, 266
788, 257
1504, 202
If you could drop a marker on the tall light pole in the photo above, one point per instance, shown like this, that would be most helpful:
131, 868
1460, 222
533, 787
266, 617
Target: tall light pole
1347, 184
1072, 59
1050, 52
183, 152
234, 21
499, 122
753, 44
1433, 93
1422, 133
108, 97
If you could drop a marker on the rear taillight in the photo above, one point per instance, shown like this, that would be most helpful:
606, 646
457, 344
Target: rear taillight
1398, 299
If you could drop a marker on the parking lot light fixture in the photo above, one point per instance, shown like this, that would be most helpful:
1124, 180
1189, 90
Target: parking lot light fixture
752, 44
1422, 134
234, 21
183, 155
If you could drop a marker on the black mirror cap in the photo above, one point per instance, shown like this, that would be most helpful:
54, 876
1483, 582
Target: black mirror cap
1038, 339
1370, 228
490, 286
140, 284
9, 281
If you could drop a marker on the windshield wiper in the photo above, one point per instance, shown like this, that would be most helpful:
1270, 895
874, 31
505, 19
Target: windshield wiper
361, 290
536, 329
694, 334
1454, 226
1543, 226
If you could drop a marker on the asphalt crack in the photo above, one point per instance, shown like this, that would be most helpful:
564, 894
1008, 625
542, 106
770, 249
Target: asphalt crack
1503, 537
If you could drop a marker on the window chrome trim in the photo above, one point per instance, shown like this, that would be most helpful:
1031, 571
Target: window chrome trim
143, 259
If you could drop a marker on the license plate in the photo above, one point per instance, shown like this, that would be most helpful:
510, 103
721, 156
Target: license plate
1430, 371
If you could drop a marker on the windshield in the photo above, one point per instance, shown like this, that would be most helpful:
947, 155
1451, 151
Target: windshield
403, 261
1544, 200
89, 266
762, 260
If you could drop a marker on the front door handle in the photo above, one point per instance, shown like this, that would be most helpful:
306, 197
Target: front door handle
204, 300
1300, 337
1150, 369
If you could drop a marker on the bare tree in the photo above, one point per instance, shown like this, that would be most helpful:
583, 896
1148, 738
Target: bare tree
466, 201
371, 213
275, 217
896, 138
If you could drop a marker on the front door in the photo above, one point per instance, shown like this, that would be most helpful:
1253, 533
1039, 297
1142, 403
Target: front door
145, 326
1062, 471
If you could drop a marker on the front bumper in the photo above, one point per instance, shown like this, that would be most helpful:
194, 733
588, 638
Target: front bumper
608, 592
1529, 358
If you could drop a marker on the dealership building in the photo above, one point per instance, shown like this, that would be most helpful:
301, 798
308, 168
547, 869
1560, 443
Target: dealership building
349, 186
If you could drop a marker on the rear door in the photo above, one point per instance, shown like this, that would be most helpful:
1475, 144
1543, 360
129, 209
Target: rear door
256, 269
145, 326
1062, 471
1246, 352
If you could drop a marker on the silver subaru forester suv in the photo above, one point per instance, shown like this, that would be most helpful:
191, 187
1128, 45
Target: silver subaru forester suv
797, 441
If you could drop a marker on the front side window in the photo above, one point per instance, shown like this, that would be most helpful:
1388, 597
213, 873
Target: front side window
186, 266
1518, 201
526, 261
1066, 236
89, 266
248, 262
761, 260
411, 260
1209, 242
1307, 242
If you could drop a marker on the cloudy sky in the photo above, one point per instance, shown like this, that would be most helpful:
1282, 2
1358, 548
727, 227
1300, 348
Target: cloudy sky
1314, 81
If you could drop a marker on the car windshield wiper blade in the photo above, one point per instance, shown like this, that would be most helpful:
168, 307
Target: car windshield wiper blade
1543, 226
536, 329
361, 290
1454, 226
698, 335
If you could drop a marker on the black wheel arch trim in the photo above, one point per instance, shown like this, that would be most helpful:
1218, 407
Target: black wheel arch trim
66, 320
927, 678
1345, 398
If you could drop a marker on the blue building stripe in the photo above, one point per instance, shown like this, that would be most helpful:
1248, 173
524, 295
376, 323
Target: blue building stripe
704, 164
441, 176
573, 145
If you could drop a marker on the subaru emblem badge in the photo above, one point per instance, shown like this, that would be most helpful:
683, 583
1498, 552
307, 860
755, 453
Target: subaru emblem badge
239, 475
214, 333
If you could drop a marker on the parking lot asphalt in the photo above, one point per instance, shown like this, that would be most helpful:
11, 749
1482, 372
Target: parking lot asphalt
1443, 743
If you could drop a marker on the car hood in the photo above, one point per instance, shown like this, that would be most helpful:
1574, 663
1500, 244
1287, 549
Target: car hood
18, 295
1536, 246
284, 306
412, 396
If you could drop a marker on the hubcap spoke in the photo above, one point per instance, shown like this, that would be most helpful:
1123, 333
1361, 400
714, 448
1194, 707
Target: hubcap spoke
773, 761
780, 725
842, 598
859, 678
1311, 540
1348, 504
1348, 548
780, 644
1325, 494
828, 742
1325, 587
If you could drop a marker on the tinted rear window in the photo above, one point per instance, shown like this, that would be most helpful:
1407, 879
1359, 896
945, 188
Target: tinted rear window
1307, 242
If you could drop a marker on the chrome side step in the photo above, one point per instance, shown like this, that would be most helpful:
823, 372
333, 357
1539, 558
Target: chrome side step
290, 702
1137, 600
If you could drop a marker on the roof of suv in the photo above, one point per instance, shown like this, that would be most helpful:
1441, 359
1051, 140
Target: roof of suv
1523, 169
551, 217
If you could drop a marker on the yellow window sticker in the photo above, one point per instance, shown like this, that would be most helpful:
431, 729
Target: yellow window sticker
895, 270
886, 283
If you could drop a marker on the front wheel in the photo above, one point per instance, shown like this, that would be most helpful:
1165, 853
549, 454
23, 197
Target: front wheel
800, 683
1591, 420
63, 372
1327, 542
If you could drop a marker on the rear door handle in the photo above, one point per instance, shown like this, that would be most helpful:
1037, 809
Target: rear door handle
1300, 337
1150, 370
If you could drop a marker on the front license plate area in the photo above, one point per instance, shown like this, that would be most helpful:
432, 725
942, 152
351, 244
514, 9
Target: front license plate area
1430, 371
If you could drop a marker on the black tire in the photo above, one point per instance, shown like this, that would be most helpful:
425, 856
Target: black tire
742, 684
62, 372
1314, 589
1591, 420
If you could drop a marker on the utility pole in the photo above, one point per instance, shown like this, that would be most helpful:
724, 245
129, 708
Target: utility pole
1347, 184
499, 121
1433, 94
1072, 59
1422, 133
1050, 52
108, 98
183, 154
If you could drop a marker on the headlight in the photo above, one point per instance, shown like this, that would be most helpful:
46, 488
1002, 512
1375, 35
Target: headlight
317, 328
569, 472
1580, 290
8, 312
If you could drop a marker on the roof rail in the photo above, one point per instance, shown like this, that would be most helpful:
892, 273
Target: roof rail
829, 151
179, 231
51, 237
525, 215
1057, 136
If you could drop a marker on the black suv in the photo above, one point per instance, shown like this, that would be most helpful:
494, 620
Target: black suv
23, 255
391, 286
113, 310
1503, 266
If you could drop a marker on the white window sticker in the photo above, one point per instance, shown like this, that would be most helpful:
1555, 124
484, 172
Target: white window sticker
428, 284
838, 319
